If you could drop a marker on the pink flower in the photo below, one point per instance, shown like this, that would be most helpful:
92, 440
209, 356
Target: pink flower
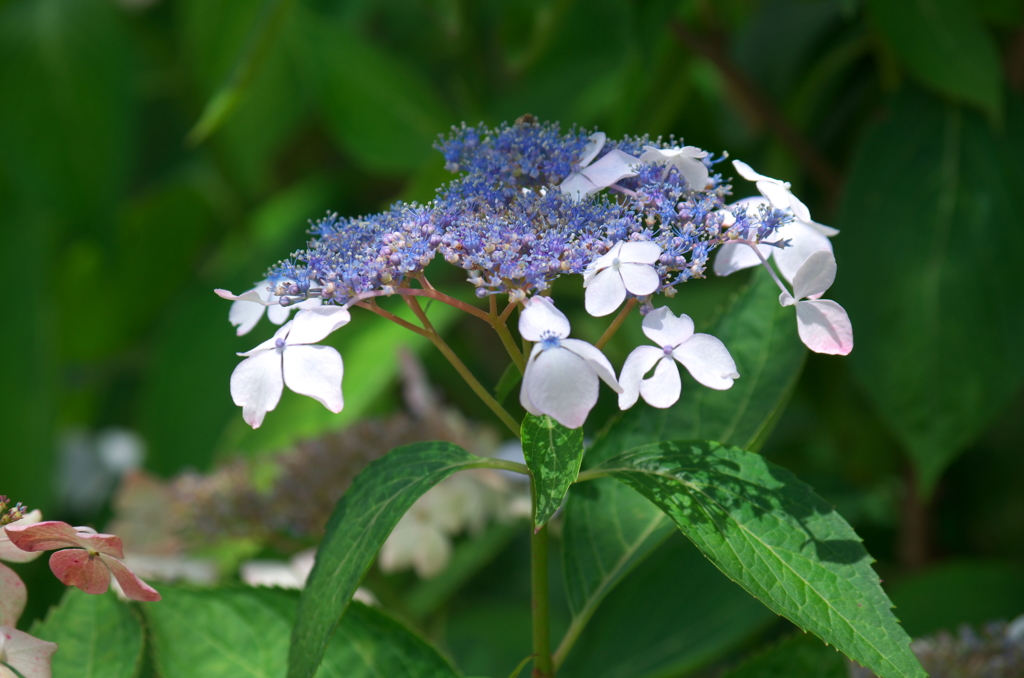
12, 590
87, 559
29, 656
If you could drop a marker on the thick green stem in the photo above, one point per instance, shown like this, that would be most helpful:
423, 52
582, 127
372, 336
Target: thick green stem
461, 368
509, 342
543, 666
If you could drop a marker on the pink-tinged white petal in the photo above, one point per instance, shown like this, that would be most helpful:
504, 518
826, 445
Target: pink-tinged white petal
593, 147
132, 587
824, 327
638, 363
708, 361
804, 240
540, 318
10, 552
12, 596
639, 252
639, 279
561, 385
313, 324
53, 534
244, 315
663, 387
733, 257
815, 275
78, 568
597, 360
663, 328
315, 371
28, 655
256, 385
605, 293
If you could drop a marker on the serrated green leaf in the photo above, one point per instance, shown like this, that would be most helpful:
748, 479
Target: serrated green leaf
682, 614
771, 534
553, 453
945, 45
363, 519
99, 636
242, 633
939, 316
609, 528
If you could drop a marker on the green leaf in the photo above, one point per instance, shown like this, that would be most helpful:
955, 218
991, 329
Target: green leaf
241, 633
380, 109
99, 636
798, 656
363, 519
771, 534
608, 527
553, 453
682, 614
938, 312
946, 47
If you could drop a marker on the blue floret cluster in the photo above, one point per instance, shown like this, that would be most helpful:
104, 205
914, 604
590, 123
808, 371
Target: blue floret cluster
505, 220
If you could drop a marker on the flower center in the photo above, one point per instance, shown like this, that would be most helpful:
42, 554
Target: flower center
548, 340
668, 349
615, 264
279, 343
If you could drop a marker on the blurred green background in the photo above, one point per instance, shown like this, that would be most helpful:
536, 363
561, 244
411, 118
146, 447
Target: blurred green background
151, 151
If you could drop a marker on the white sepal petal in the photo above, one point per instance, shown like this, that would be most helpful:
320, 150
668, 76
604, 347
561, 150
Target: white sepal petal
638, 363
642, 252
605, 293
747, 172
804, 240
250, 295
777, 194
663, 328
313, 324
593, 147
244, 315
315, 371
279, 314
13, 595
639, 279
597, 360
561, 385
662, 389
524, 393
815, 275
256, 385
824, 327
612, 167
733, 257
786, 299
708, 361
540, 317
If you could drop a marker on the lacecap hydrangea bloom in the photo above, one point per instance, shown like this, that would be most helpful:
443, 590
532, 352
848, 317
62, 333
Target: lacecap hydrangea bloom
634, 217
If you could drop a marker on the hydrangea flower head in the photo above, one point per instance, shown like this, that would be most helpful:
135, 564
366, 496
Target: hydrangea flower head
823, 324
85, 560
704, 356
561, 378
289, 358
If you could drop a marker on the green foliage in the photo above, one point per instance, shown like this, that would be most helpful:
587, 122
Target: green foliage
244, 632
99, 636
553, 453
773, 536
935, 208
798, 656
672, 615
363, 519
944, 44
608, 528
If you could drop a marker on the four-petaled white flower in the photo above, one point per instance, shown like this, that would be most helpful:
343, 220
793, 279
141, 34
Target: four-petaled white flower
591, 178
627, 267
27, 655
685, 159
247, 308
287, 358
561, 374
776, 191
823, 325
704, 356
805, 237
